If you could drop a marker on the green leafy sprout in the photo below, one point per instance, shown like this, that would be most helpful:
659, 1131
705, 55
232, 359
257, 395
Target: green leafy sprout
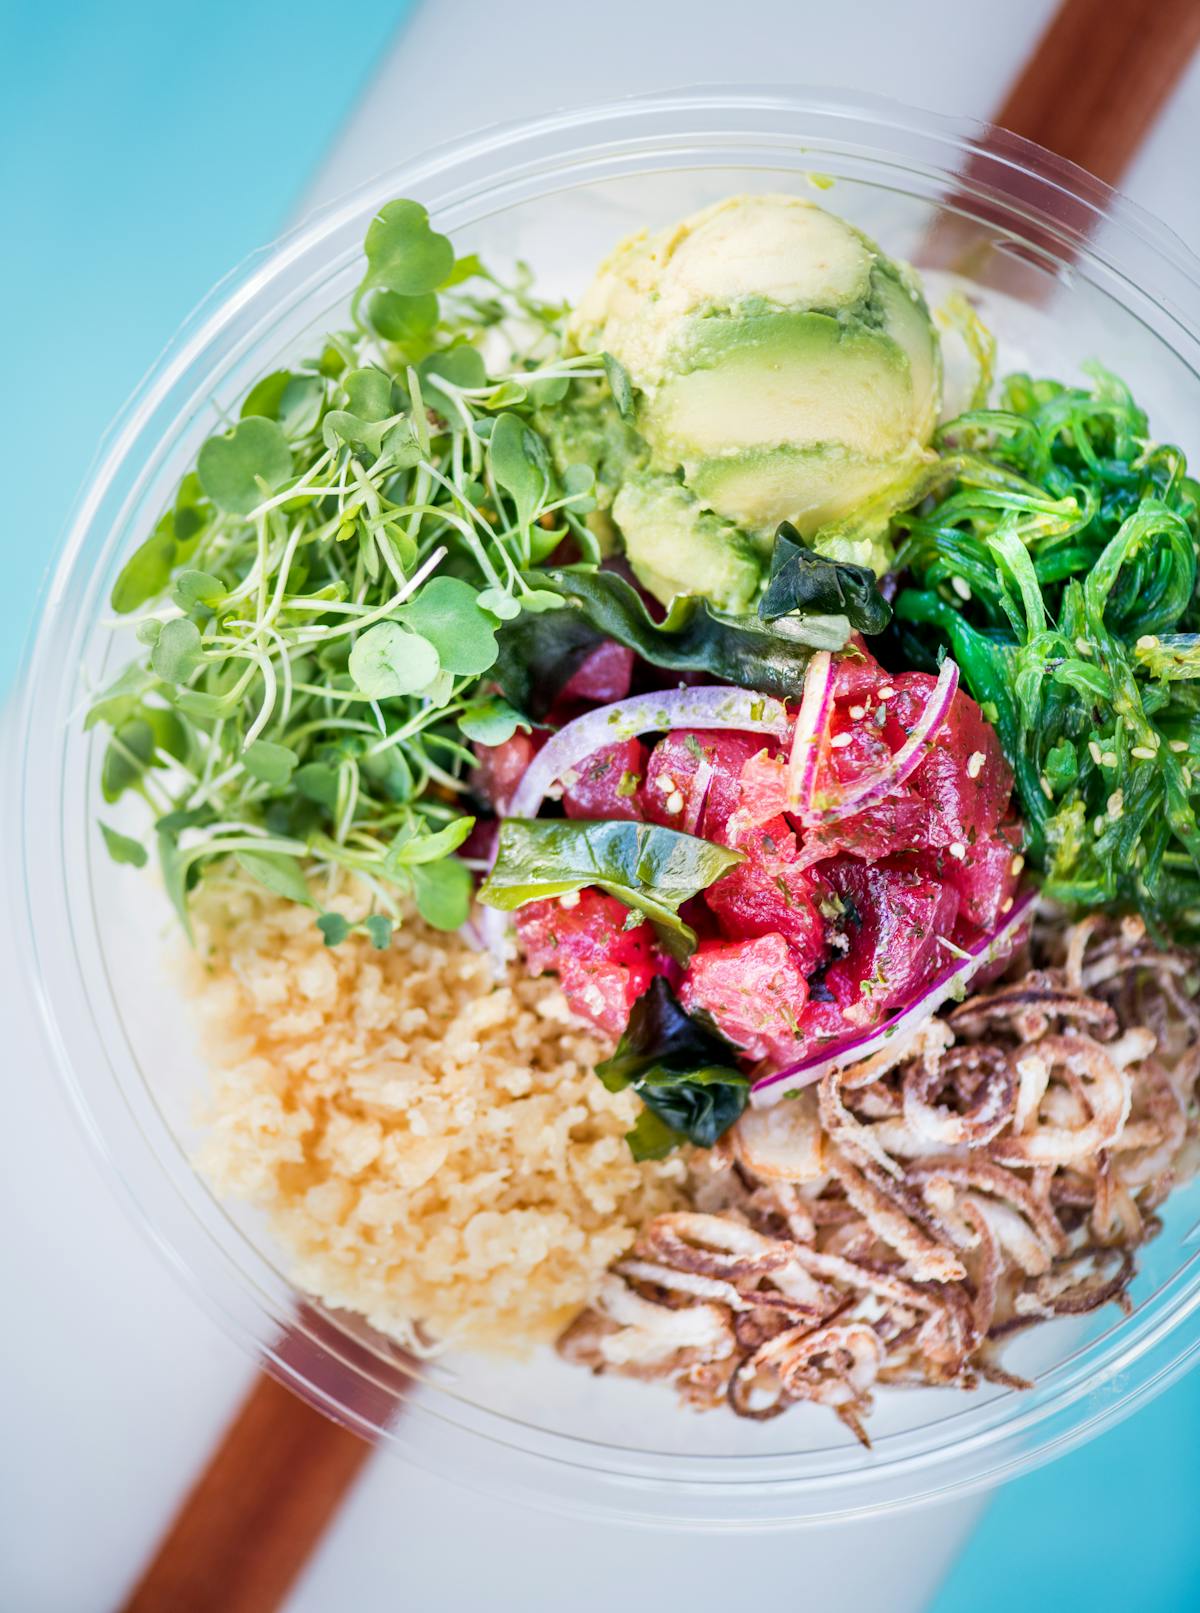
319, 607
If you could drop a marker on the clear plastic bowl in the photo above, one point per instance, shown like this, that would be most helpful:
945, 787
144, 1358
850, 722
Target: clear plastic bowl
1066, 270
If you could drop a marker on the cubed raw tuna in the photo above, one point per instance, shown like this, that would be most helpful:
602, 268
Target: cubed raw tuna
985, 877
964, 781
603, 675
893, 916
959, 792
770, 893
607, 784
693, 781
604, 968
500, 768
900, 823
754, 990
764, 781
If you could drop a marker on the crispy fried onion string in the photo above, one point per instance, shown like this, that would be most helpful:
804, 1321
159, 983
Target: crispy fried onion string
893, 1224
984, 1082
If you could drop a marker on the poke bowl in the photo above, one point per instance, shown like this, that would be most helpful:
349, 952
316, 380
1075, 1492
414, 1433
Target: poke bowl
1063, 273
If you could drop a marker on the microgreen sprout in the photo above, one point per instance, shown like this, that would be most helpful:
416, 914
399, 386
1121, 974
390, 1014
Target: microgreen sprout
318, 610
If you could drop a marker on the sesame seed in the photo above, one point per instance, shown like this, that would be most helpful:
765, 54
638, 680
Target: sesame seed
1084, 648
885, 693
569, 899
975, 764
1109, 758
665, 783
1006, 905
957, 850
1179, 746
858, 713
1155, 740
1044, 786
1095, 752
1116, 804
675, 801
1098, 826
1185, 774
1016, 865
569, 778
840, 741
961, 587
1143, 753
1148, 641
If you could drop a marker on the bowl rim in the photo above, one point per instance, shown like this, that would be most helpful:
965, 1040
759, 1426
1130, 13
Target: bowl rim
520, 149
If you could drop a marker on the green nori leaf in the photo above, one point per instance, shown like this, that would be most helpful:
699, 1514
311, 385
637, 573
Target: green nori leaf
802, 581
538, 653
650, 868
686, 1075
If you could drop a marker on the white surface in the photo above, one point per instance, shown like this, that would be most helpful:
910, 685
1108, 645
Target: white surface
116, 1384
1163, 178
539, 55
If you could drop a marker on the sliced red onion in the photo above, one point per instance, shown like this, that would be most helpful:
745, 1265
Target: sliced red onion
496, 931
877, 786
700, 784
812, 724
904, 1022
493, 926
715, 707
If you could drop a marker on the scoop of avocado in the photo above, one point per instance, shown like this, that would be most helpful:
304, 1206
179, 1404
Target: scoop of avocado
785, 369
676, 546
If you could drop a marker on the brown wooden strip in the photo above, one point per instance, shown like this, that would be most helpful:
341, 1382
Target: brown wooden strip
1099, 77
1090, 91
257, 1511
274, 1482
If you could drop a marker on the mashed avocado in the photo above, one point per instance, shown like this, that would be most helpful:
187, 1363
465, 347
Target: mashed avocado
676, 546
783, 367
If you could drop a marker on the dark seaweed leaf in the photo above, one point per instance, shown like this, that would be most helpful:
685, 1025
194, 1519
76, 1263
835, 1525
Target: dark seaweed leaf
538, 653
686, 1075
650, 868
806, 583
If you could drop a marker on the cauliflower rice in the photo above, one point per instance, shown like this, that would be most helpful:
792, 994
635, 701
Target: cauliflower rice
431, 1144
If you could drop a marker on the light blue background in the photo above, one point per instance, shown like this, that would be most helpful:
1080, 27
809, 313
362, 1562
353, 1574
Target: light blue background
145, 149
146, 146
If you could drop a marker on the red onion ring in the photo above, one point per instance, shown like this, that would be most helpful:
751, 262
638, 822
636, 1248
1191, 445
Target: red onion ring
489, 929
877, 786
719, 706
804, 1072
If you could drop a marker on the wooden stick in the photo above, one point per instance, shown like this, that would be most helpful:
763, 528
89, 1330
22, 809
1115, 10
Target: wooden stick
1090, 91
256, 1512
282, 1469
1100, 75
